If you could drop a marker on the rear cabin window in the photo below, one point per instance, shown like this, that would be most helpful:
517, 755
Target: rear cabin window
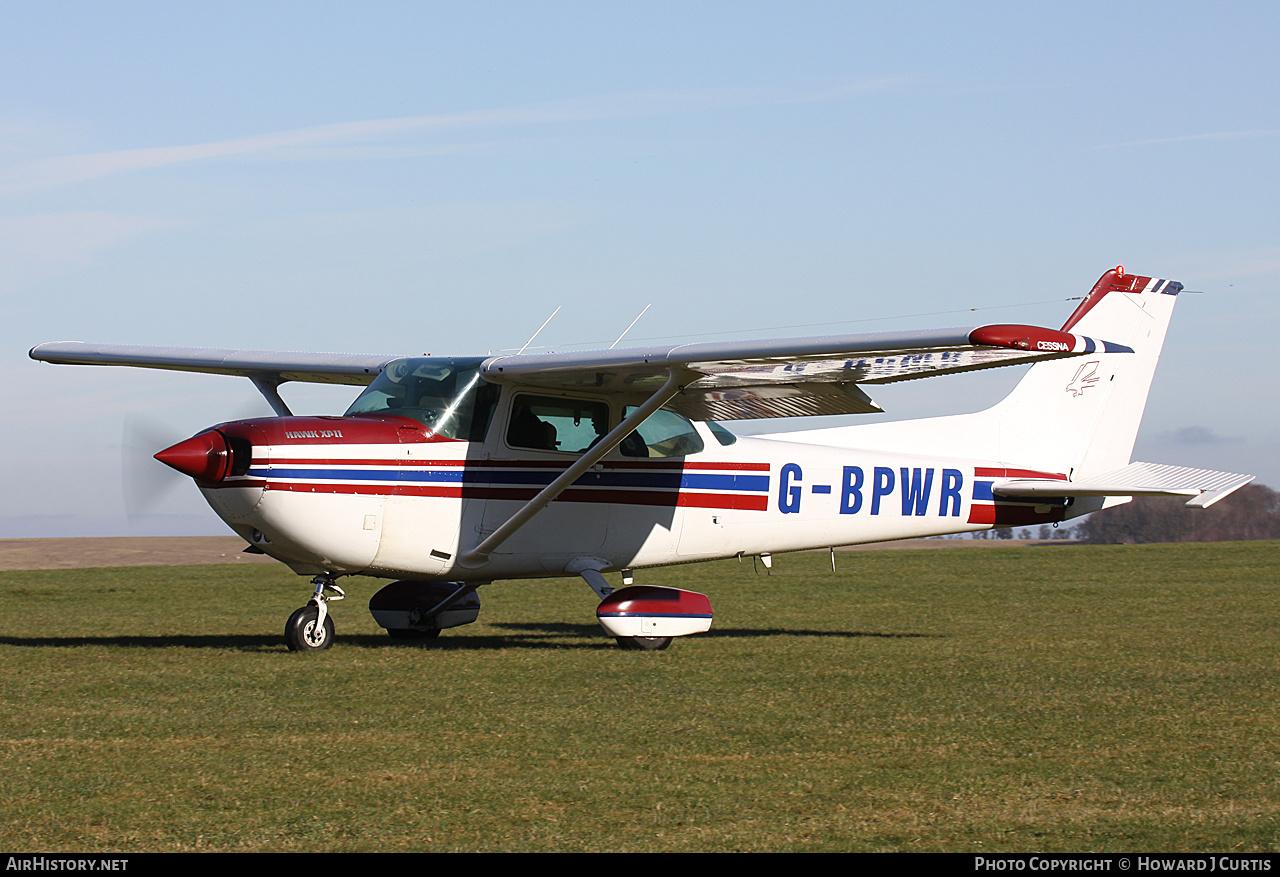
723, 436
549, 423
663, 434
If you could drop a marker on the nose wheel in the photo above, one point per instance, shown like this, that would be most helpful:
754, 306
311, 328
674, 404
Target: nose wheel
305, 632
310, 628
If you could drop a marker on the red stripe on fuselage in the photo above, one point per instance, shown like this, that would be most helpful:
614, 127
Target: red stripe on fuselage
508, 464
981, 472
343, 461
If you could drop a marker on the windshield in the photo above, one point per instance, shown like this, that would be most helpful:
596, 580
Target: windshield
444, 394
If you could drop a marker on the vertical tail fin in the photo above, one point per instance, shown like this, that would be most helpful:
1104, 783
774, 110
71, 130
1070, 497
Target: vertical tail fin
1077, 416
1080, 416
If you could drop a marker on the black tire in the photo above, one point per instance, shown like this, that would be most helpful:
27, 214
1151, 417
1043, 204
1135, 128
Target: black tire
300, 631
409, 634
643, 643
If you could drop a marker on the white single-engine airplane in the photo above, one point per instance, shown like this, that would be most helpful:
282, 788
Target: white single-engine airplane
448, 473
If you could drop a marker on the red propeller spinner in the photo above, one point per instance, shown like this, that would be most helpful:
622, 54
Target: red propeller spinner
205, 456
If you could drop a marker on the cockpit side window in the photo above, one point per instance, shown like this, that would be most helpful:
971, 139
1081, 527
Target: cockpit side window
445, 394
551, 423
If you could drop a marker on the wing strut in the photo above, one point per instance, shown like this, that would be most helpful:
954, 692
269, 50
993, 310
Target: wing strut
480, 554
269, 386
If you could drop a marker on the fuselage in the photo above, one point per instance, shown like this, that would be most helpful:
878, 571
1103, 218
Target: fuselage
385, 496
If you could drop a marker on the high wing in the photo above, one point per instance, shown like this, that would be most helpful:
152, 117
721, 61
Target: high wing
733, 380
313, 368
741, 380
268, 369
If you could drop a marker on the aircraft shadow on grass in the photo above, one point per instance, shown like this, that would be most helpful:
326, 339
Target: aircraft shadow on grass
552, 635
567, 629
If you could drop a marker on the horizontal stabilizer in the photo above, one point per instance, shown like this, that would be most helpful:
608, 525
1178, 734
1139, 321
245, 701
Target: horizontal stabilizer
1204, 486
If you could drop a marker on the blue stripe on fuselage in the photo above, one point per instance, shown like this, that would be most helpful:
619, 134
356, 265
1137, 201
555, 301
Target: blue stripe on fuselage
658, 480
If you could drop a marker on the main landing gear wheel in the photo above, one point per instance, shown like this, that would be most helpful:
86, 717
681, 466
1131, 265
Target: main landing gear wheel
409, 634
303, 633
643, 643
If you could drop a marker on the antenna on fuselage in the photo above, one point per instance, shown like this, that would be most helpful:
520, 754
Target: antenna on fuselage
633, 322
540, 328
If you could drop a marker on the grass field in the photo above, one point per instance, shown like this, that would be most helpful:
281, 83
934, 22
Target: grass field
1110, 698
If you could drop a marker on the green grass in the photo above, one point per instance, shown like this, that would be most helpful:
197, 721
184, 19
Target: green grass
1102, 698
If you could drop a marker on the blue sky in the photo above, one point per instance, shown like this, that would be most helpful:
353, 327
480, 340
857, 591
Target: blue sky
419, 177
